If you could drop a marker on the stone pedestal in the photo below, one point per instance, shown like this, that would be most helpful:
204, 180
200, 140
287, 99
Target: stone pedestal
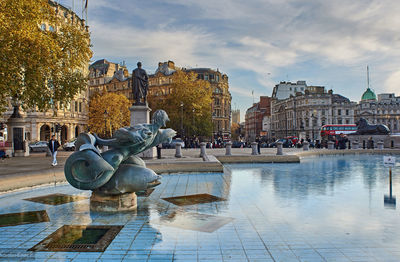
306, 146
279, 147
331, 145
178, 151
113, 203
228, 148
202, 149
389, 141
380, 145
254, 150
140, 114
354, 144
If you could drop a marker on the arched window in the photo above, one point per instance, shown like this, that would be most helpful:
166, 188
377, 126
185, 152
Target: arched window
43, 27
51, 29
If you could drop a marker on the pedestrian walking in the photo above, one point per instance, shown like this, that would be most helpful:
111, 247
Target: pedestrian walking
53, 146
342, 141
370, 144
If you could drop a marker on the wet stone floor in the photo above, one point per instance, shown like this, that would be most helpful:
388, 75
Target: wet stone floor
324, 209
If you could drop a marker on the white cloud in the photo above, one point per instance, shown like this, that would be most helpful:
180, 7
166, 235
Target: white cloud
392, 83
256, 37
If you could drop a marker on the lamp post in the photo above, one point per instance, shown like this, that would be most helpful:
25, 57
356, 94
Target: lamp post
313, 117
301, 128
193, 110
286, 126
182, 120
105, 121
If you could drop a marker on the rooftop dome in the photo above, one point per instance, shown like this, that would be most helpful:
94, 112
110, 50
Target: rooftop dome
368, 95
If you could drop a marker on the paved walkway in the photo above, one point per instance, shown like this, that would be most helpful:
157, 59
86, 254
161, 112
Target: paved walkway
21, 172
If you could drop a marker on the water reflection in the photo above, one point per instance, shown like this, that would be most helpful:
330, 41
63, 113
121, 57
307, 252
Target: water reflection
390, 200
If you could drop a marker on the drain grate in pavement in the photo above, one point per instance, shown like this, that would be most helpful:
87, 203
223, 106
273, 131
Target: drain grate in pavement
31, 217
193, 199
56, 199
79, 238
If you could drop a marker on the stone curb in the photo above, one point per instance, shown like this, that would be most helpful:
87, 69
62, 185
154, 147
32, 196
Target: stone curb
346, 151
17, 181
258, 159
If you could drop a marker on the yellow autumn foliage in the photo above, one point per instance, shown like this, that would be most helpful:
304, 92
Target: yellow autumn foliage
195, 96
118, 114
40, 67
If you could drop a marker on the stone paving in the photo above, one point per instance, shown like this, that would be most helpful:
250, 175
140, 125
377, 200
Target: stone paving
274, 212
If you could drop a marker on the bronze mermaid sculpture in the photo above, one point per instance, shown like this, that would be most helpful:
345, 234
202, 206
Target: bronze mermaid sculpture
117, 170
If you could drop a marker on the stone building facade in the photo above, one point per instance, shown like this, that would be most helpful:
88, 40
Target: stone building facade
382, 110
160, 84
303, 115
236, 116
254, 119
72, 117
111, 77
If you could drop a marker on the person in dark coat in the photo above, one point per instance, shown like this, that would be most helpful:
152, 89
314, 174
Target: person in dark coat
342, 141
370, 144
53, 146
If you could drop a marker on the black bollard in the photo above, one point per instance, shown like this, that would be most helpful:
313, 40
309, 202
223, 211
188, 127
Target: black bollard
158, 151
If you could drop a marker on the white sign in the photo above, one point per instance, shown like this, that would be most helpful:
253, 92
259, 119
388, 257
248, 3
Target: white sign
389, 160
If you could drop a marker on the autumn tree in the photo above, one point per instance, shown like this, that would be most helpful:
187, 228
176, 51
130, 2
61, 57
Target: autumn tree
188, 105
40, 66
235, 131
108, 112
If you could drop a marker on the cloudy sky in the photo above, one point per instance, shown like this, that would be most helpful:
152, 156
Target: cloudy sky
257, 43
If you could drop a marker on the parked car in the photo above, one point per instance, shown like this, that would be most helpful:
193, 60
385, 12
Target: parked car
238, 144
294, 139
285, 143
40, 146
173, 143
70, 145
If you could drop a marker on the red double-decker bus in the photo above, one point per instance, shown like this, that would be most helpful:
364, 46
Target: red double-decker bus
328, 131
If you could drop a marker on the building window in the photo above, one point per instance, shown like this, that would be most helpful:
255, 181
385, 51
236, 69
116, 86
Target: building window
347, 112
339, 112
323, 112
211, 77
51, 29
97, 81
217, 78
76, 106
80, 107
205, 77
200, 76
347, 121
43, 27
115, 86
339, 121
